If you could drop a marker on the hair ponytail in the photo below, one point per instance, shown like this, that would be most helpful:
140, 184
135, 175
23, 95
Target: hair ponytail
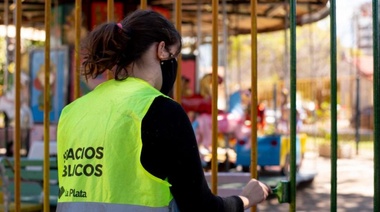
103, 49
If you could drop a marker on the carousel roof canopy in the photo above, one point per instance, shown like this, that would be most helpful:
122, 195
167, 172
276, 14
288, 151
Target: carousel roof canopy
196, 14
236, 15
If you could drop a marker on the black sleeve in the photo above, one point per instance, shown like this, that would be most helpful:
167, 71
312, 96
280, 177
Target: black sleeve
170, 151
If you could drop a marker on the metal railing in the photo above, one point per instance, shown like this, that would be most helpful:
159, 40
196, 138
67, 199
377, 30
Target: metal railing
293, 83
376, 102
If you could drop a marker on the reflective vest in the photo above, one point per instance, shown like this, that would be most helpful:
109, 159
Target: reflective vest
99, 148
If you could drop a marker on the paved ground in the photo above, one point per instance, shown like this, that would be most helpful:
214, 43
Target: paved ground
354, 188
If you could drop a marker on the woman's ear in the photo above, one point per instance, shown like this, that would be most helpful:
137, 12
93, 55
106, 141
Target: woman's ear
161, 52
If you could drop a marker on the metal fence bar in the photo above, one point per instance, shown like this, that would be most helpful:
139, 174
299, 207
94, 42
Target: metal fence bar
78, 18
333, 108
178, 23
110, 10
293, 112
376, 104
143, 4
110, 18
214, 161
293, 88
46, 185
17, 84
254, 100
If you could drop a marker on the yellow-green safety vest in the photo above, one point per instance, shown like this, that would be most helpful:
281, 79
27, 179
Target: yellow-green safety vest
99, 148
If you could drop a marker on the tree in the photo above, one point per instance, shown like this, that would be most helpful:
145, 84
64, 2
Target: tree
313, 54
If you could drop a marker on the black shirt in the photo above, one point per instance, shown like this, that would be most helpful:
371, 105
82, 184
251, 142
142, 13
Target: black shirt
170, 152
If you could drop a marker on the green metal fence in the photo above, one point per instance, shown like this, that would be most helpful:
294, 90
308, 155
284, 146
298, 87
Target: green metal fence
333, 76
333, 108
293, 80
376, 102
293, 89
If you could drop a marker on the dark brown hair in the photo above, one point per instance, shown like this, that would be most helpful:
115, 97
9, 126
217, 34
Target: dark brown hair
113, 47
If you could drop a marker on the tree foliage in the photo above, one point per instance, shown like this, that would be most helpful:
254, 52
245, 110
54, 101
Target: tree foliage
273, 55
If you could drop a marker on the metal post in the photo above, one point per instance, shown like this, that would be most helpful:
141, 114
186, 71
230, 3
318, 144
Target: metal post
226, 77
333, 76
357, 112
214, 164
198, 44
357, 78
143, 4
178, 22
17, 84
254, 91
78, 21
275, 103
5, 69
293, 112
6, 23
47, 108
225, 52
110, 18
376, 104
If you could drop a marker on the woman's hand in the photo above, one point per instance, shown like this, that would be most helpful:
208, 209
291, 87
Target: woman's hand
254, 192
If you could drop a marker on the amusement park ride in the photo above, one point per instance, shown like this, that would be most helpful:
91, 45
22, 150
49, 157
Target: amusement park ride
196, 15
234, 127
